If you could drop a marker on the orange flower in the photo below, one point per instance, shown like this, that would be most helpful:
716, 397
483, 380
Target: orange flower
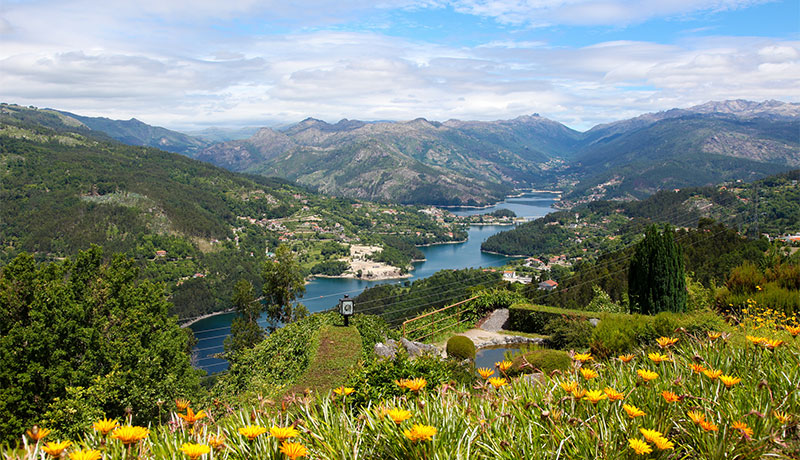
782, 417
193, 451
613, 395
105, 425
282, 433
658, 358
712, 374
697, 368
578, 393
485, 373
595, 396
650, 435
772, 344
582, 357
588, 374
794, 330
569, 387
647, 375
251, 432
729, 381
714, 335
128, 434
663, 443
755, 340
497, 382
633, 411
398, 416
503, 365
54, 449
669, 396
182, 404
625, 358
37, 433
666, 342
708, 426
743, 428
293, 450
216, 442
412, 384
696, 416
191, 417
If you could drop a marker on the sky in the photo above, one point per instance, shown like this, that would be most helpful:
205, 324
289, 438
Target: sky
192, 64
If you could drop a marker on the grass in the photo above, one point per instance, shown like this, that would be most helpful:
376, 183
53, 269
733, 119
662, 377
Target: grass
335, 350
529, 335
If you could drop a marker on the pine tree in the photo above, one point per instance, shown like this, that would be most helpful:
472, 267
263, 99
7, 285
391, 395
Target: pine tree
656, 280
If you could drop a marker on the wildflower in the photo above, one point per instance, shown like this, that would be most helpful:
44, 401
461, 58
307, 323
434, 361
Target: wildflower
216, 442
485, 373
633, 411
182, 404
128, 434
696, 416
588, 374
251, 432
37, 433
669, 396
658, 358
663, 443
613, 395
293, 450
647, 375
503, 365
712, 374
282, 433
420, 433
578, 393
743, 428
625, 358
398, 415
650, 435
54, 449
666, 342
413, 384
782, 417
582, 357
758, 287
708, 426
191, 417
569, 387
497, 382
639, 446
343, 391
713, 335
595, 396
86, 454
794, 330
105, 425
755, 340
194, 450
696, 368
772, 344
729, 381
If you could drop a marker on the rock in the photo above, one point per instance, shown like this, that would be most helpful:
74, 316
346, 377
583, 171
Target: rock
536, 377
415, 349
385, 351
594, 321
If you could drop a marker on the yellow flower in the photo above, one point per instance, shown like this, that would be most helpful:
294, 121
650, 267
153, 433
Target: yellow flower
485, 373
647, 375
708, 426
639, 446
588, 374
663, 443
252, 431
582, 357
794, 330
216, 442
712, 374
503, 365
772, 344
696, 416
182, 404
194, 450
613, 395
344, 391
54, 449
665, 342
669, 396
743, 428
782, 417
398, 415
713, 335
86, 454
625, 358
578, 393
633, 411
128, 434
658, 358
758, 287
729, 381
697, 368
413, 384
420, 433
650, 435
37, 433
191, 417
282, 433
497, 382
105, 425
595, 396
755, 340
293, 450
569, 387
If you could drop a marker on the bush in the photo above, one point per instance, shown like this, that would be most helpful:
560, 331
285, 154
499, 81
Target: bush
541, 360
535, 318
460, 347
570, 332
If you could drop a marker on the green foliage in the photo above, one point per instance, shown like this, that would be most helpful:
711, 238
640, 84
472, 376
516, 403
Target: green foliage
283, 283
335, 350
745, 278
460, 348
602, 302
529, 360
535, 318
569, 332
69, 322
330, 268
656, 279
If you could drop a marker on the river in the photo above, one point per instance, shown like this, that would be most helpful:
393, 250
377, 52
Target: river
324, 293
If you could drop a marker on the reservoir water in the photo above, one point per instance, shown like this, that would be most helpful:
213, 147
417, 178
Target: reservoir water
324, 293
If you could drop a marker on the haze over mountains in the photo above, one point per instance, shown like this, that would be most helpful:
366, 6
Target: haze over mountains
477, 162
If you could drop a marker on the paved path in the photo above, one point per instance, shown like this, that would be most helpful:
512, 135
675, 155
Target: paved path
495, 321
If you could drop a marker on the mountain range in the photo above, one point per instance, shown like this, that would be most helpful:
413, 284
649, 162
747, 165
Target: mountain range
478, 162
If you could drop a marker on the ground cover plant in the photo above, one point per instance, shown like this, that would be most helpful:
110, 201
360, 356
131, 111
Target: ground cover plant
687, 395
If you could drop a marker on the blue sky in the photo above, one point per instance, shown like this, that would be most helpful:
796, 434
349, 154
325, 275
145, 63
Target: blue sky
188, 64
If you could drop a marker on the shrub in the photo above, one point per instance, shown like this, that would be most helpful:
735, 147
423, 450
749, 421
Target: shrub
541, 360
570, 332
745, 278
535, 318
461, 348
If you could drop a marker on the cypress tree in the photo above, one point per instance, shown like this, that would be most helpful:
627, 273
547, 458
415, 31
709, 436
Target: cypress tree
656, 280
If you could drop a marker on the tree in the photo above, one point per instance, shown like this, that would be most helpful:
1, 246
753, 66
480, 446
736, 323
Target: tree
283, 283
656, 279
245, 331
81, 338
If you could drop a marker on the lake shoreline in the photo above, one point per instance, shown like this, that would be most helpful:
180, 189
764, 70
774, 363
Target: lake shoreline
206, 316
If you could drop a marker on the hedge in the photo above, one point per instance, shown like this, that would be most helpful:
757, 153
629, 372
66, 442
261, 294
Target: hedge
535, 318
